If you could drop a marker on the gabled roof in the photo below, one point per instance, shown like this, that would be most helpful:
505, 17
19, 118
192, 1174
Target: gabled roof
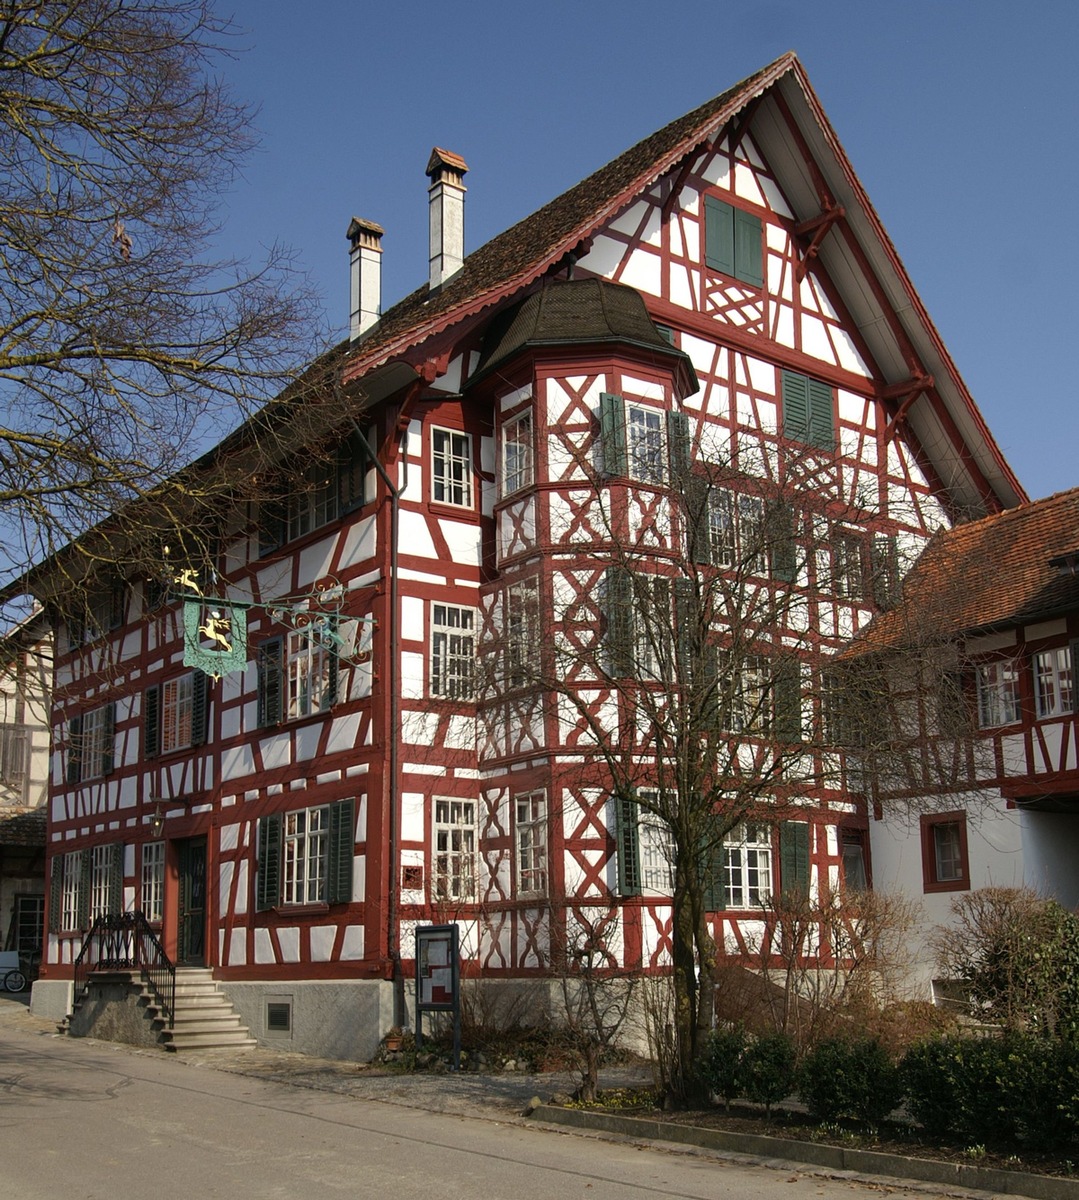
788, 124
990, 574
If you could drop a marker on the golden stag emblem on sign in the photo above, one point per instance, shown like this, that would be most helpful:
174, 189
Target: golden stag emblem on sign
217, 629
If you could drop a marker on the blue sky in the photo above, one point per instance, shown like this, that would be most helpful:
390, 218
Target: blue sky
959, 116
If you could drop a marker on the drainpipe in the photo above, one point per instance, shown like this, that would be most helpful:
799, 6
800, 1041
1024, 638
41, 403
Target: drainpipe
394, 632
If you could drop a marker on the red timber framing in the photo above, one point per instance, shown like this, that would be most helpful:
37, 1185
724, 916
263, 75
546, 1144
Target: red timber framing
481, 804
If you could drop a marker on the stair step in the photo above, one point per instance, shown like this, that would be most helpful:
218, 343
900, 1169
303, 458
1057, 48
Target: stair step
209, 1041
224, 1025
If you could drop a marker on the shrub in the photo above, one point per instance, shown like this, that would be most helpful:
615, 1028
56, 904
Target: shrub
768, 1069
722, 1069
843, 1078
928, 1075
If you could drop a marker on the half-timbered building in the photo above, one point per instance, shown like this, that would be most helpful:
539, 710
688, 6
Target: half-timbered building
976, 728
387, 745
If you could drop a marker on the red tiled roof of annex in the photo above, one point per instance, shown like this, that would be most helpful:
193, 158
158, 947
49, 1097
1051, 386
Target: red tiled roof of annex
992, 573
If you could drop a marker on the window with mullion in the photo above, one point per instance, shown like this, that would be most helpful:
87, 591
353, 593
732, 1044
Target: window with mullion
455, 850
71, 883
998, 693
100, 879
531, 841
656, 842
309, 669
451, 467
747, 862
305, 847
1053, 682
517, 457
313, 502
452, 651
152, 896
644, 443
177, 703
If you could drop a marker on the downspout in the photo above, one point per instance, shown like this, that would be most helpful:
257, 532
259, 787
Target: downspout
394, 634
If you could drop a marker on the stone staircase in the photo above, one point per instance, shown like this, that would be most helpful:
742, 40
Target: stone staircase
204, 1017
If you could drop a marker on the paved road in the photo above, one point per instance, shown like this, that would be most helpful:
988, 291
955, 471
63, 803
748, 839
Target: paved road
86, 1120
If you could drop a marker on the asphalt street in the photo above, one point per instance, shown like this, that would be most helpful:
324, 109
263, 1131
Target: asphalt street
86, 1119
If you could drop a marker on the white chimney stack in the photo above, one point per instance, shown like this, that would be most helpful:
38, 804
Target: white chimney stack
447, 210
365, 276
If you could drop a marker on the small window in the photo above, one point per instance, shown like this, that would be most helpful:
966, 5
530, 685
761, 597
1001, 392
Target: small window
451, 468
312, 501
733, 242
853, 860
747, 865
945, 866
530, 837
751, 696
736, 531
1053, 682
454, 876
998, 693
656, 844
73, 894
152, 894
644, 444
90, 744
453, 651
517, 455
521, 641
14, 754
305, 847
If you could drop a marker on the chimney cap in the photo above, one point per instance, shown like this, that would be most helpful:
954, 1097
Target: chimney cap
358, 226
445, 159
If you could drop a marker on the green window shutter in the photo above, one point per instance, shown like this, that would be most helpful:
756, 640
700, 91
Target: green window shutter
116, 878
718, 235
748, 252
268, 885
200, 708
627, 845
612, 425
333, 669
795, 406
341, 853
84, 889
794, 857
352, 461
108, 749
710, 687
270, 683
821, 415
666, 333
788, 700
116, 606
56, 889
618, 609
698, 528
1075, 675
713, 878
678, 445
780, 534
74, 750
151, 721
685, 630
273, 525
884, 568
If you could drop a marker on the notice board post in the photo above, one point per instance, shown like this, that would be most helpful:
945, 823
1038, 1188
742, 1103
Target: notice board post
438, 979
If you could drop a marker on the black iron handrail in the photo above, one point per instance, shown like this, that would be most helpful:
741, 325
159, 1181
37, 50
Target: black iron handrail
125, 942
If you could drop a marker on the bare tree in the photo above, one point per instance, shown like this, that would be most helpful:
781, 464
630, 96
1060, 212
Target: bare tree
123, 344
682, 661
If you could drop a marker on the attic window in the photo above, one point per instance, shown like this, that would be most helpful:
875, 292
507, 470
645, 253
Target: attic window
732, 242
1066, 564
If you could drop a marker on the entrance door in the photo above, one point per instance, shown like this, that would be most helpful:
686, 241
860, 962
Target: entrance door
191, 924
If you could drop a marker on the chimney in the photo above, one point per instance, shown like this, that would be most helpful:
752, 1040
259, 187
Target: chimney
447, 211
365, 276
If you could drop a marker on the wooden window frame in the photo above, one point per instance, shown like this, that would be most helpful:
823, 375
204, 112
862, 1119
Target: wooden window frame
443, 461
453, 857
930, 824
531, 844
451, 674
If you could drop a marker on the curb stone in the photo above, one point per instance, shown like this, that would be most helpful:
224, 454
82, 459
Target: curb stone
815, 1154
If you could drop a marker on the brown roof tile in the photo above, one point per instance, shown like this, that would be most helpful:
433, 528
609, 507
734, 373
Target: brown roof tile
992, 573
